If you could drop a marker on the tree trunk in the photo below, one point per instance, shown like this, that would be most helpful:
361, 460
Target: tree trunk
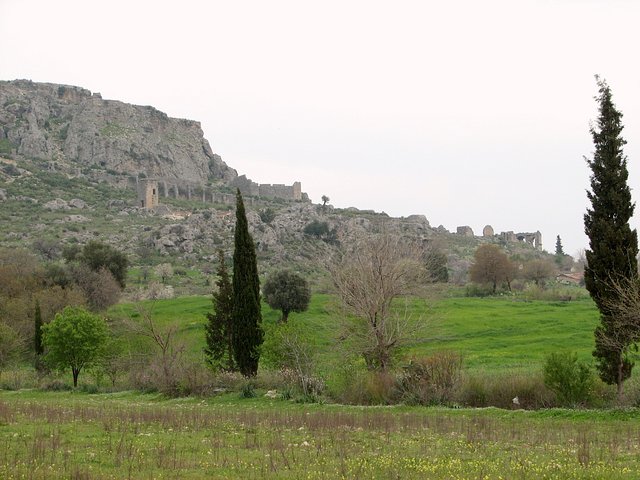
76, 372
620, 382
285, 316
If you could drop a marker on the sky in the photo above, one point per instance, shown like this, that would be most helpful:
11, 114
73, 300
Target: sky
468, 112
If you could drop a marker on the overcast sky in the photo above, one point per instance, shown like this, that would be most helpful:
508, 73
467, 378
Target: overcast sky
469, 112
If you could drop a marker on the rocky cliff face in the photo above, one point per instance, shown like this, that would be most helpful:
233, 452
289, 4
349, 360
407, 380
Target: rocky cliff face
70, 125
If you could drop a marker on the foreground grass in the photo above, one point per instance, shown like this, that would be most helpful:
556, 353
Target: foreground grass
71, 435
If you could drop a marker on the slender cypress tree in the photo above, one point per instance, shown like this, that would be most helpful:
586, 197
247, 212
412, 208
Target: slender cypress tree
37, 338
613, 246
559, 249
219, 329
37, 324
246, 316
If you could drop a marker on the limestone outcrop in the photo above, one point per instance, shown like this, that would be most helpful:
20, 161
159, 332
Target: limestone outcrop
72, 126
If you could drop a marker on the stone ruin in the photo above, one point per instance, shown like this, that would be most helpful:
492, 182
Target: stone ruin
150, 190
465, 231
147, 193
264, 190
532, 238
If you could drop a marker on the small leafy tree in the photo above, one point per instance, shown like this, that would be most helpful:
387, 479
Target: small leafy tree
570, 379
325, 200
288, 292
75, 339
219, 328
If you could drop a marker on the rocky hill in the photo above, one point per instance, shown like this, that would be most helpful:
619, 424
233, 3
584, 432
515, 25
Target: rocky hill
76, 128
69, 168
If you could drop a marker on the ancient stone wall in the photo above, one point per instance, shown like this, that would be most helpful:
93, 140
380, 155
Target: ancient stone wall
265, 190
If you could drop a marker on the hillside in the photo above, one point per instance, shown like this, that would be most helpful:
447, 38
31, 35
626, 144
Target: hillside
70, 163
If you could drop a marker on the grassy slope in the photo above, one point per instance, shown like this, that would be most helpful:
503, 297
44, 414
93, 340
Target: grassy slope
491, 333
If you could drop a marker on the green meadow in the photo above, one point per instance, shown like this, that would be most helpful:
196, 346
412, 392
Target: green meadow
128, 435
491, 333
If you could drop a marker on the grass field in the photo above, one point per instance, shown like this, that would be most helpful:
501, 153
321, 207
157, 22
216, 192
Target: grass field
493, 334
126, 435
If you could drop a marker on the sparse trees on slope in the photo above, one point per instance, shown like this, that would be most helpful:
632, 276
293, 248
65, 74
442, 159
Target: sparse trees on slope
246, 315
287, 291
613, 246
74, 339
219, 329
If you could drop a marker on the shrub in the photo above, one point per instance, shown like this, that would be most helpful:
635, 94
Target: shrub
478, 290
248, 389
267, 215
356, 386
483, 390
322, 231
571, 380
431, 380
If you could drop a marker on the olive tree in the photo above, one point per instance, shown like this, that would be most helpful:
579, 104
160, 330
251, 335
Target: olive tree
75, 338
288, 292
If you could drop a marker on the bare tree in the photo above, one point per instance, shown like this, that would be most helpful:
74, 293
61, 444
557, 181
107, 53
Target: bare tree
622, 333
492, 266
164, 271
169, 351
368, 278
539, 271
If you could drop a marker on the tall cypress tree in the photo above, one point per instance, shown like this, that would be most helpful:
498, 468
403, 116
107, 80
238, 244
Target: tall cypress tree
37, 338
559, 249
246, 316
613, 246
219, 329
37, 324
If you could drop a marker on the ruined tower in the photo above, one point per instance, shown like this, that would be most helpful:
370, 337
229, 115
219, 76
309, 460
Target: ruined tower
147, 193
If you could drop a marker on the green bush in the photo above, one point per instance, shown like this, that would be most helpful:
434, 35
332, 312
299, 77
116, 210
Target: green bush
571, 380
477, 290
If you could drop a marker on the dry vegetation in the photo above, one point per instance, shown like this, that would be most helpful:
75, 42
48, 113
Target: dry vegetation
135, 436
